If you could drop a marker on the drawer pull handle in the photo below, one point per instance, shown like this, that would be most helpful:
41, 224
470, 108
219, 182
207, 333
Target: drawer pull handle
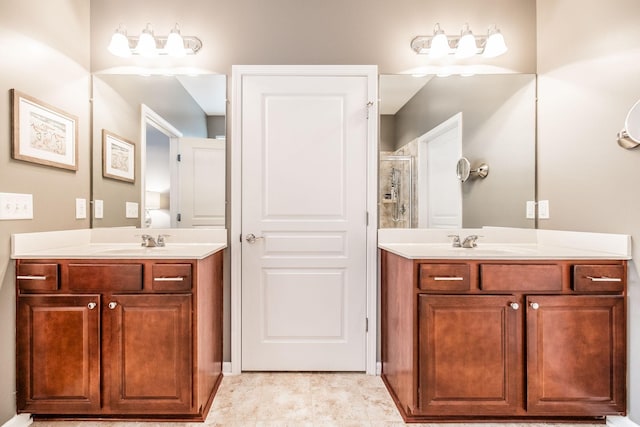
113, 305
168, 279
91, 305
31, 277
535, 305
438, 278
514, 305
604, 279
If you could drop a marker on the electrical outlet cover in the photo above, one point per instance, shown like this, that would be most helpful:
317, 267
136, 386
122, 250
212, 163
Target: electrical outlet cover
131, 210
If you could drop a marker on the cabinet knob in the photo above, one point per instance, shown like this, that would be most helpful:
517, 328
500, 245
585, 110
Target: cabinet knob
91, 305
514, 305
535, 305
113, 305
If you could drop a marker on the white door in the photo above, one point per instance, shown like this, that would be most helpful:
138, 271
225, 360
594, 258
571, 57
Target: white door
200, 197
440, 198
304, 188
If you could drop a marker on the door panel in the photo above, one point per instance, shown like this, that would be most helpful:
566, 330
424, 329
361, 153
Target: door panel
201, 178
58, 338
150, 354
304, 154
470, 355
576, 355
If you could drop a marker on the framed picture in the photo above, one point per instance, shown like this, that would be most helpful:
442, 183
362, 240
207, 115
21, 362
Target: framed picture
118, 157
43, 134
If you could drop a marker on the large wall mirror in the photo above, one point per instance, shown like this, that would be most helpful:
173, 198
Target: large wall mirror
428, 123
158, 151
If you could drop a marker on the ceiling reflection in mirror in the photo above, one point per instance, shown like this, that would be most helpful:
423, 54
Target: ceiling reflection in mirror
428, 123
166, 118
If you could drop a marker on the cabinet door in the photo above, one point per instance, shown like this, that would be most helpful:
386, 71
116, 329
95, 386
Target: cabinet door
149, 354
58, 354
576, 355
470, 355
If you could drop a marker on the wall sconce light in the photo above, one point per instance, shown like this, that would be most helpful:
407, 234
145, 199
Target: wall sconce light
461, 46
150, 45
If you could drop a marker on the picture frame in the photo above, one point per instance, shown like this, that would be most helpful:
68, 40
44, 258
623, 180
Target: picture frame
118, 157
42, 133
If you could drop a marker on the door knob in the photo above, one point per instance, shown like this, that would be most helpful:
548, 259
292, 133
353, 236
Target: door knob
251, 238
535, 305
514, 305
113, 305
92, 305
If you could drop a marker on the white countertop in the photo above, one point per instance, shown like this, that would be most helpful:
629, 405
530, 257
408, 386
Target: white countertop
505, 243
117, 243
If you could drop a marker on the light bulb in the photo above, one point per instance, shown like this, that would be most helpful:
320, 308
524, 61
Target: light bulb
495, 45
147, 43
467, 44
439, 43
175, 43
119, 45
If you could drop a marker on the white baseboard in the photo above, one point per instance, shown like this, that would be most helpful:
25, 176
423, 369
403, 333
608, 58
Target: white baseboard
378, 369
22, 420
620, 422
226, 368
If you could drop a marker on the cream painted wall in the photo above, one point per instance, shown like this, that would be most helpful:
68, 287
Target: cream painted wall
585, 90
44, 48
589, 76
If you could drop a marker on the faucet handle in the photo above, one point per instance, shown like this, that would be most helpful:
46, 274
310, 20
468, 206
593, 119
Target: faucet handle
161, 239
470, 241
455, 241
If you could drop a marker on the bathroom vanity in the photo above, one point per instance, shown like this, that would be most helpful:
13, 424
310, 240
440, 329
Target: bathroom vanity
505, 331
113, 330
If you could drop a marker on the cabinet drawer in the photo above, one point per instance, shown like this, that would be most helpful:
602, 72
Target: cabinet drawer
107, 277
520, 277
171, 277
37, 277
598, 278
444, 277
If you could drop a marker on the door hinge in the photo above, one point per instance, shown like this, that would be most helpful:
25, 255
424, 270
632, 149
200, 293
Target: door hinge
366, 324
366, 218
369, 105
179, 157
179, 217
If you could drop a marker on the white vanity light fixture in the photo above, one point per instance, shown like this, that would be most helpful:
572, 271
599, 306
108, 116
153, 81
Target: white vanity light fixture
466, 46
150, 45
461, 46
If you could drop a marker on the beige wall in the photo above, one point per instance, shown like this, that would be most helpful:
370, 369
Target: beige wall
589, 76
585, 89
45, 53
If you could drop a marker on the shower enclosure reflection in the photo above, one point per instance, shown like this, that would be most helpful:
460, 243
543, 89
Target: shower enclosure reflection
396, 191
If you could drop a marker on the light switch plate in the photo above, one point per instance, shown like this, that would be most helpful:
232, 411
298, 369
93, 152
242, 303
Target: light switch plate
16, 206
131, 210
98, 209
81, 208
531, 209
543, 209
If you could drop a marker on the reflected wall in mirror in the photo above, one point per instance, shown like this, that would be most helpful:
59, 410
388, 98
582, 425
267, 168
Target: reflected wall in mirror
433, 121
178, 126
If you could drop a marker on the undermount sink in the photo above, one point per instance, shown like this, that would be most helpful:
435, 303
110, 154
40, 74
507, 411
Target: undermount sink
133, 250
494, 249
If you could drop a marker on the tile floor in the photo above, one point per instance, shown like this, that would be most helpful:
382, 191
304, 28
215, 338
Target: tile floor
294, 400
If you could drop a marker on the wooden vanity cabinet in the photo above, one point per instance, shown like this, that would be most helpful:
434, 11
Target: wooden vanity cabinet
504, 340
126, 339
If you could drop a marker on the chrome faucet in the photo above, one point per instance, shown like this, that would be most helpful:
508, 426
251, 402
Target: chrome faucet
470, 241
150, 242
455, 240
